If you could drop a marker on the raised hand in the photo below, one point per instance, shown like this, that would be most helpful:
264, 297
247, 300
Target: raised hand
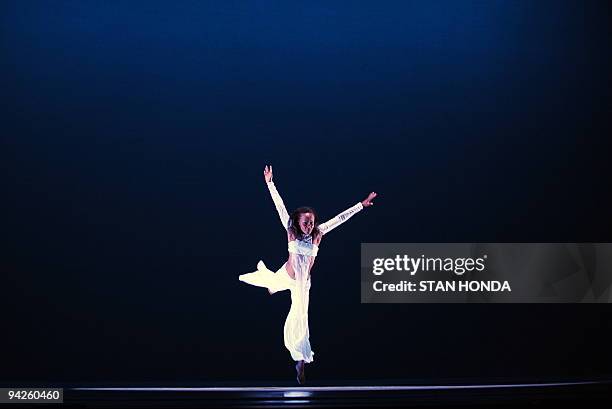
268, 173
368, 200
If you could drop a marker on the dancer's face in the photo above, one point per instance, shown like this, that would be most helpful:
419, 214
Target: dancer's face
306, 222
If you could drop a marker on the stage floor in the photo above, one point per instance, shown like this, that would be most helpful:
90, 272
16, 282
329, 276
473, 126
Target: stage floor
468, 395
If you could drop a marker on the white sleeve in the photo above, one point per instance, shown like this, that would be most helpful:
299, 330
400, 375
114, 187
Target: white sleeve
279, 204
339, 219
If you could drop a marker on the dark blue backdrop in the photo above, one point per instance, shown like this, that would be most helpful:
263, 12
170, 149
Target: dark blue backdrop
133, 141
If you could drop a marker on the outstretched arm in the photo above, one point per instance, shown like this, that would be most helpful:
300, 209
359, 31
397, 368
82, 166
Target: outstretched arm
347, 214
278, 201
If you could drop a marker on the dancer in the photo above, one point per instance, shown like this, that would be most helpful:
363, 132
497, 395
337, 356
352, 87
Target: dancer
304, 234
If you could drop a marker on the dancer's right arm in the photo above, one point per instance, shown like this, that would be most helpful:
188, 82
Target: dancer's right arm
278, 201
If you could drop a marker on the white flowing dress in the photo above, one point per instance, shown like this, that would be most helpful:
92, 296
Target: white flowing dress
302, 252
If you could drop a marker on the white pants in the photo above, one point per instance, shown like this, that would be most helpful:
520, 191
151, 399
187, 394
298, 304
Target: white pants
296, 332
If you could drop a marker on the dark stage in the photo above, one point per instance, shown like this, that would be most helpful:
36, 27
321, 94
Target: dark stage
538, 395
134, 137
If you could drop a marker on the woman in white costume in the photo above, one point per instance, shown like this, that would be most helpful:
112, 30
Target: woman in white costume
304, 235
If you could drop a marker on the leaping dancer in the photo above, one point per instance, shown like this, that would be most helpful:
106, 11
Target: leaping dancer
304, 235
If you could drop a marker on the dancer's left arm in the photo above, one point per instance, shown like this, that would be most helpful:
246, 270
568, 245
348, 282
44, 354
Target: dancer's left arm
347, 214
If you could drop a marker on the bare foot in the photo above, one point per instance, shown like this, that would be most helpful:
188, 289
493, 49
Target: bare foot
301, 377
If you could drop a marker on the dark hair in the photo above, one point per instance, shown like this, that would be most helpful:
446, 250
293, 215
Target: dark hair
294, 226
